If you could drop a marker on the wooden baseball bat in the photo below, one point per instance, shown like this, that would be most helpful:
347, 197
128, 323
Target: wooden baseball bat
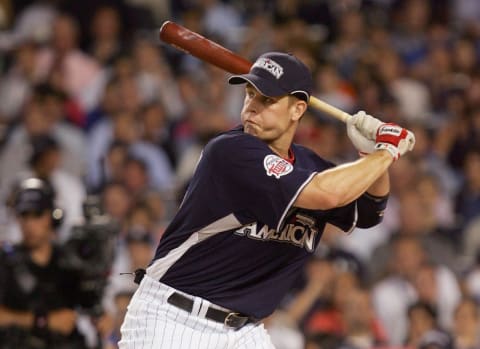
211, 52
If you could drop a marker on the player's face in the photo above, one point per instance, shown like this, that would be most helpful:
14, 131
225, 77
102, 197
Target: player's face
269, 118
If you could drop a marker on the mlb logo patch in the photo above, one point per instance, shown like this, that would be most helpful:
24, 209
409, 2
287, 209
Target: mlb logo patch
276, 166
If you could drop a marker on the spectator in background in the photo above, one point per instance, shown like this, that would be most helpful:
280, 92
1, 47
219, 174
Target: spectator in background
117, 202
42, 311
109, 104
135, 177
466, 14
114, 163
159, 209
362, 328
464, 56
333, 89
319, 277
121, 301
350, 43
433, 162
221, 20
323, 341
134, 252
43, 114
438, 286
411, 279
154, 77
468, 200
466, 324
411, 22
125, 129
30, 21
17, 83
45, 163
106, 41
417, 219
412, 96
327, 314
67, 66
422, 325
324, 137
318, 306
157, 129
471, 279
406, 257
464, 132
439, 204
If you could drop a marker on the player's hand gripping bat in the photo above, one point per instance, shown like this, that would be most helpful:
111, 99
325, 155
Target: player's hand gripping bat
211, 52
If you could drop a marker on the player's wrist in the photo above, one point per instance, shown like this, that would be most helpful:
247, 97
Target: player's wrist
389, 149
383, 154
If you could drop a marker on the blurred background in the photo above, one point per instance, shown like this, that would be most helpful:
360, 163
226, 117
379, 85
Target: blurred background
114, 121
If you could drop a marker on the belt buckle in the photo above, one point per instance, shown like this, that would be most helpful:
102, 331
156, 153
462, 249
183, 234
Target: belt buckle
235, 320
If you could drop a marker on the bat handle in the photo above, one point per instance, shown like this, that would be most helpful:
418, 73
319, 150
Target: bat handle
329, 109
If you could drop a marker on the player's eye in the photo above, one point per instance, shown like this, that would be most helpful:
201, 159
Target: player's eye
269, 100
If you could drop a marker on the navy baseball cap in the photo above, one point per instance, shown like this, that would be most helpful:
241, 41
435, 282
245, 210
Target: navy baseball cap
277, 74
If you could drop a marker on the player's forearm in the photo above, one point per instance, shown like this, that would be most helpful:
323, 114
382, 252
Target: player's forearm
381, 187
341, 185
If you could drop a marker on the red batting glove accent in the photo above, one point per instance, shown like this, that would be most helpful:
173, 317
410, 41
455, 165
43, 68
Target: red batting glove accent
389, 137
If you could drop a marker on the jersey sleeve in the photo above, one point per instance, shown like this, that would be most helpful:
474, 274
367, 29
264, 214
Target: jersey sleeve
257, 183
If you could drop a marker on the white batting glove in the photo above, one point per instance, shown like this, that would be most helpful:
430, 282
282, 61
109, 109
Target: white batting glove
362, 144
366, 124
395, 139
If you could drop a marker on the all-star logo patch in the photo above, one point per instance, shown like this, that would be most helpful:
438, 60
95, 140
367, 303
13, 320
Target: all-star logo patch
276, 166
271, 66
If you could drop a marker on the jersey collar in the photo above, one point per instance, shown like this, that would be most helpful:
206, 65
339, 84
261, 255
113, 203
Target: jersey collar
291, 156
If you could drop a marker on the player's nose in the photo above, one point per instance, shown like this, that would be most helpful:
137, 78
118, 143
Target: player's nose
252, 105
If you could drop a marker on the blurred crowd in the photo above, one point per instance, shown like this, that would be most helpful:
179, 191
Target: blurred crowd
93, 103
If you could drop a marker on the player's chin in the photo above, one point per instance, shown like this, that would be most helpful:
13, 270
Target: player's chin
251, 129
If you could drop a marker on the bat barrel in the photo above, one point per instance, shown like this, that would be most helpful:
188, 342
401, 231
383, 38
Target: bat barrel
211, 52
202, 48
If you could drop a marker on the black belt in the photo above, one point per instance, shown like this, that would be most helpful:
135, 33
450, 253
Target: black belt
229, 319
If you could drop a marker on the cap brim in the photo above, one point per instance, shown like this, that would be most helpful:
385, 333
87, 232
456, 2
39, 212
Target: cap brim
264, 86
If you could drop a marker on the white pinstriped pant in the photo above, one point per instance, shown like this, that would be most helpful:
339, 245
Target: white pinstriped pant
152, 323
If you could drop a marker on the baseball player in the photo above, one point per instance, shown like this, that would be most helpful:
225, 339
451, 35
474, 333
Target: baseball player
253, 214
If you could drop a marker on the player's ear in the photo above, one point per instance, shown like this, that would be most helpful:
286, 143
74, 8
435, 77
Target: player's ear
297, 108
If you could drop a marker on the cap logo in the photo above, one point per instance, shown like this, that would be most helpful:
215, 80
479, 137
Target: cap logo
271, 66
276, 166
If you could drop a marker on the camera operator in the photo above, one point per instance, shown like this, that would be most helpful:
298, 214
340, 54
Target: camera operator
38, 296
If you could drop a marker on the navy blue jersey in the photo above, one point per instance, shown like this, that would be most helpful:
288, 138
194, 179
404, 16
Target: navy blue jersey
237, 240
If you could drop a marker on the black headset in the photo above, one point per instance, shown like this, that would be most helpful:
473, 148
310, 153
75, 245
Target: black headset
38, 195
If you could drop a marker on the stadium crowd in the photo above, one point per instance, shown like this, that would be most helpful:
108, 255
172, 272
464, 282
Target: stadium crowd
94, 104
